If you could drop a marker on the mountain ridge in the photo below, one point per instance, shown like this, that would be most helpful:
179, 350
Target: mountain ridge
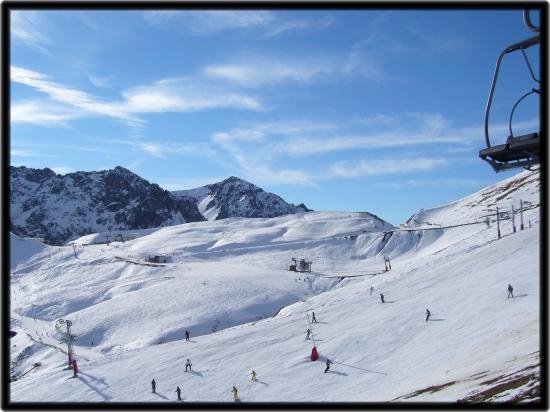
236, 197
60, 208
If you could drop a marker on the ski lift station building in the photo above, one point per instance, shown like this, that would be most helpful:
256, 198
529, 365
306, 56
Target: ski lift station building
300, 265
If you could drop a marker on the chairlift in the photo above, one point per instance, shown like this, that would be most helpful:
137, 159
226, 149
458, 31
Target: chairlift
518, 151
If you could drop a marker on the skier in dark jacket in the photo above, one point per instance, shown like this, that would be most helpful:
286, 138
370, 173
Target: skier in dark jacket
178, 391
153, 385
235, 393
382, 298
313, 319
187, 335
328, 362
510, 291
428, 313
308, 333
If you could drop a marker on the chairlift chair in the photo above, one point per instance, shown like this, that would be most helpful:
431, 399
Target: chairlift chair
518, 151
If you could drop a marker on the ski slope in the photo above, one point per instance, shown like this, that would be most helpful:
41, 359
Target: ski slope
227, 283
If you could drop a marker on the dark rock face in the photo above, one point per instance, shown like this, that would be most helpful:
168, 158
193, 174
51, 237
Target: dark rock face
61, 208
234, 197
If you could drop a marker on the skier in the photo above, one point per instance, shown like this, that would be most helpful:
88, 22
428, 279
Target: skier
187, 335
371, 289
387, 260
188, 365
510, 291
428, 313
235, 394
382, 298
253, 374
313, 320
154, 385
308, 333
178, 391
328, 362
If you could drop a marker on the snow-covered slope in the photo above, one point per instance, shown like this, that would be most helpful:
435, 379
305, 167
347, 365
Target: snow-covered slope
228, 283
234, 197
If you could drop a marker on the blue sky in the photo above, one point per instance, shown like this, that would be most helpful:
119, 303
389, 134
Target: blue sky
357, 110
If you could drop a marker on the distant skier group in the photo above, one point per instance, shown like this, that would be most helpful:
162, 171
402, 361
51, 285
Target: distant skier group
234, 391
328, 362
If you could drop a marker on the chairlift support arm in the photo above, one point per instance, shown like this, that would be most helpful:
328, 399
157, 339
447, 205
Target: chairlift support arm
528, 23
522, 45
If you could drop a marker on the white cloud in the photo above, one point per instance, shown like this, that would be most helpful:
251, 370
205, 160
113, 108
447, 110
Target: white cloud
152, 149
67, 95
106, 81
238, 134
261, 148
278, 27
432, 183
30, 28
390, 131
385, 166
23, 153
163, 148
265, 175
266, 70
41, 113
207, 22
168, 95
177, 96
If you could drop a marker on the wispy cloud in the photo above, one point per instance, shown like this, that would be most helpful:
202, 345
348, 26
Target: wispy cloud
105, 81
262, 148
252, 151
151, 148
41, 113
165, 148
387, 131
432, 183
385, 166
23, 153
277, 135
30, 28
374, 56
70, 96
207, 22
280, 27
168, 95
210, 22
177, 95
267, 70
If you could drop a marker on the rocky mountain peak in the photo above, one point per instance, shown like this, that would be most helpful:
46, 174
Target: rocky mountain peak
236, 197
60, 208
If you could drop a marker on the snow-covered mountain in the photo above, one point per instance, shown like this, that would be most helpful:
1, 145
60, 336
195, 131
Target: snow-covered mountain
227, 282
235, 197
60, 208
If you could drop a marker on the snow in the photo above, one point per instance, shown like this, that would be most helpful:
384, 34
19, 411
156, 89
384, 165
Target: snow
228, 283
